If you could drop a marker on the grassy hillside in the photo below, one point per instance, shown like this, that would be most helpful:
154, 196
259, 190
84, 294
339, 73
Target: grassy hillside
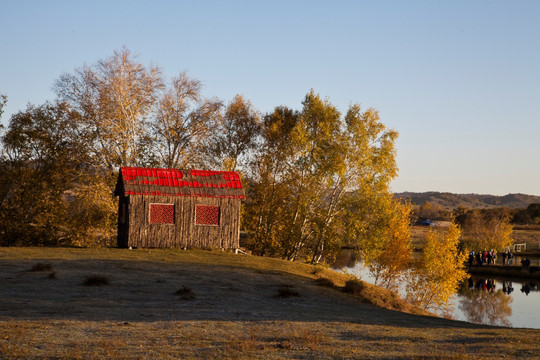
452, 201
112, 303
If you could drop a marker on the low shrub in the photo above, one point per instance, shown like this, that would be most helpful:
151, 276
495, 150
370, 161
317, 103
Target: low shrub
324, 282
354, 287
185, 293
317, 269
41, 267
96, 280
286, 291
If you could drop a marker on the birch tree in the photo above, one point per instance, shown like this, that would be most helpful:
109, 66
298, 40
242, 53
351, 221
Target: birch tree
485, 230
316, 172
3, 101
183, 122
436, 277
234, 140
267, 207
113, 101
385, 242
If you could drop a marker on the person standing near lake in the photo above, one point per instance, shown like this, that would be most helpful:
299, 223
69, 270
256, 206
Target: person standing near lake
526, 263
479, 258
471, 258
489, 257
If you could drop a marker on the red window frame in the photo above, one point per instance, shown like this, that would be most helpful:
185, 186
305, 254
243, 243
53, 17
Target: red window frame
209, 215
162, 213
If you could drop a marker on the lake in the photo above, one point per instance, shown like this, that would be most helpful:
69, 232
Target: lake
491, 301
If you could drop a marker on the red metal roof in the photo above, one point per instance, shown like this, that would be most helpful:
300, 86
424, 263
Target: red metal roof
174, 182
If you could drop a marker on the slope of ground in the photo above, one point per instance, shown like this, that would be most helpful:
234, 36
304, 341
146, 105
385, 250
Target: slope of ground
197, 304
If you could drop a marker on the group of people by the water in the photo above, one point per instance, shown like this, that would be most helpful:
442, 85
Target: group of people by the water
526, 263
485, 257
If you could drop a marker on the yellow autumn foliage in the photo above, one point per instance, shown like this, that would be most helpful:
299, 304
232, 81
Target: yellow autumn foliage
389, 258
437, 276
485, 231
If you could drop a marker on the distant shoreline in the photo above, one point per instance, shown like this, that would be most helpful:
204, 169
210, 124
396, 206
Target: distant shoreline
506, 271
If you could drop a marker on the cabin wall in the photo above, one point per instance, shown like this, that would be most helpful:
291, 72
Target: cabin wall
184, 232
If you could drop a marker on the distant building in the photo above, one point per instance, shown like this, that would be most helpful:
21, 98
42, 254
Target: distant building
162, 208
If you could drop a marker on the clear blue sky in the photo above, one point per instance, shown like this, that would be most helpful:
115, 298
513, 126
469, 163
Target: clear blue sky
459, 80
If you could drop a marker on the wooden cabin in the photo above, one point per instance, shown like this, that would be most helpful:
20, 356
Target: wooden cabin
162, 208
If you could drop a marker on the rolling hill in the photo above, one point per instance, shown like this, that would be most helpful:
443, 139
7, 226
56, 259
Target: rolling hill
452, 201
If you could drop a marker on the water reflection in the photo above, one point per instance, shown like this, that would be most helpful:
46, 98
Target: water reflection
483, 303
527, 287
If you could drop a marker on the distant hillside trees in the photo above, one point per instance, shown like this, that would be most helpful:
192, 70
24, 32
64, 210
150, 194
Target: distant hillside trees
432, 211
530, 215
473, 201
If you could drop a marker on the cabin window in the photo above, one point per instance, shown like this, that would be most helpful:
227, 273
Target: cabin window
161, 213
206, 215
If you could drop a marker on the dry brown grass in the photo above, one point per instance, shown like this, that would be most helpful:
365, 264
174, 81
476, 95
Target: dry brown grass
235, 315
257, 340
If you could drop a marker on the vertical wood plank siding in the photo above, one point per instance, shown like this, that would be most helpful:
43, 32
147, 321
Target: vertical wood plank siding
184, 232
